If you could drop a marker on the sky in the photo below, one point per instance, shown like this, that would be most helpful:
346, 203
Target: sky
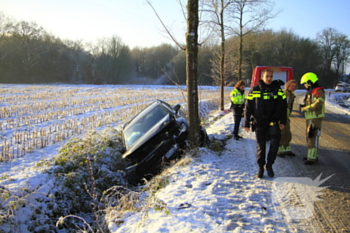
137, 25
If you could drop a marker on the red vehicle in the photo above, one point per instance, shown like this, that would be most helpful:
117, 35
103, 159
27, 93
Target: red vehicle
279, 72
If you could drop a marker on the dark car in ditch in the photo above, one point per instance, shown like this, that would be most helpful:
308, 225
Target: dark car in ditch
156, 135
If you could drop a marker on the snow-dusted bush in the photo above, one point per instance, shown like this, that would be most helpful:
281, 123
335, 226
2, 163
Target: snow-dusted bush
84, 169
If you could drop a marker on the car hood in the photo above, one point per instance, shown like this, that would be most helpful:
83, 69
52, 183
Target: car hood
155, 130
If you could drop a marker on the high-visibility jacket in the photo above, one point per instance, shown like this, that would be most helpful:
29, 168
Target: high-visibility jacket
315, 104
266, 104
237, 96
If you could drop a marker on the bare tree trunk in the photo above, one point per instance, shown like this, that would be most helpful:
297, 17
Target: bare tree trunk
191, 68
222, 57
258, 12
191, 71
240, 46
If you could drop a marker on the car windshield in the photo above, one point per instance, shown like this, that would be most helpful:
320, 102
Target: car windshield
142, 124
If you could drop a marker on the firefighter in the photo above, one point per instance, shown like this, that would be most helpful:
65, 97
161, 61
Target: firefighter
286, 134
266, 106
314, 110
237, 105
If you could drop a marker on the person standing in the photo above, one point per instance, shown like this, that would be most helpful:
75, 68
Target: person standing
314, 110
237, 104
266, 105
286, 134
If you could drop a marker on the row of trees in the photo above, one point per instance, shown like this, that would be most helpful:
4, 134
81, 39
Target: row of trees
29, 54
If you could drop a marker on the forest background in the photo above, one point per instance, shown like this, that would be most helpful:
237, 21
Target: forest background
30, 54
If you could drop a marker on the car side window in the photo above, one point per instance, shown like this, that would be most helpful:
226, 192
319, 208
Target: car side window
155, 116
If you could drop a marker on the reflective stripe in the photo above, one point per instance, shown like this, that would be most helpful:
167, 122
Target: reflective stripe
312, 154
255, 94
266, 95
313, 115
282, 149
281, 93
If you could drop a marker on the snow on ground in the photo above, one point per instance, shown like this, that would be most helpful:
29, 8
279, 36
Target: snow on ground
216, 192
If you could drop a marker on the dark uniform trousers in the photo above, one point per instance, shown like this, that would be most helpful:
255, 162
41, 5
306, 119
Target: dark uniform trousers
264, 133
237, 116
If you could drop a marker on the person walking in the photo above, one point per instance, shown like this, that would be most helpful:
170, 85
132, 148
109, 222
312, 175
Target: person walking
314, 111
286, 134
237, 104
266, 105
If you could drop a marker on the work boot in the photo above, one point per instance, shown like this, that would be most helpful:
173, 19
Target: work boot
270, 172
260, 173
308, 162
289, 153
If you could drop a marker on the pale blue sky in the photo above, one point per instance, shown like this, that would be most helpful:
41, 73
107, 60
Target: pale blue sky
137, 25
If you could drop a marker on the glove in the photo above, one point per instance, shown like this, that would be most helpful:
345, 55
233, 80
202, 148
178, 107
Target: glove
301, 106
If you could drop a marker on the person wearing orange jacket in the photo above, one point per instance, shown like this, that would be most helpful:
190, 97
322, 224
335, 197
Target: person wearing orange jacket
286, 134
314, 110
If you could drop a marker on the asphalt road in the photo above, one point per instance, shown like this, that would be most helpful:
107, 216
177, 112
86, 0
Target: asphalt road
332, 213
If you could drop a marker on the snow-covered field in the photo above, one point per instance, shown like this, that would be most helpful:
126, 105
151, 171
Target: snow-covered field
215, 192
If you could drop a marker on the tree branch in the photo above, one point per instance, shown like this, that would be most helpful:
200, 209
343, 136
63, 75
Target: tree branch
165, 27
